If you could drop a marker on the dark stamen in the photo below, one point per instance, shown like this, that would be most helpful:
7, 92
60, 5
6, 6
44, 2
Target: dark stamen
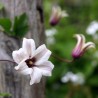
30, 62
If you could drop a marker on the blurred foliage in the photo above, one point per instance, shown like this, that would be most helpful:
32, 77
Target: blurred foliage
5, 94
81, 14
20, 27
17, 29
1, 6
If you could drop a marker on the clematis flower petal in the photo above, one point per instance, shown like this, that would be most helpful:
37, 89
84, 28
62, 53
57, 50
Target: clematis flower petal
55, 16
26, 71
76, 53
29, 46
19, 55
21, 66
42, 51
46, 68
35, 76
80, 40
88, 45
44, 58
64, 14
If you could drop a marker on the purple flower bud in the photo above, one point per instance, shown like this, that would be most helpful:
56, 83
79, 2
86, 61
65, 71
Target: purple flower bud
81, 46
56, 15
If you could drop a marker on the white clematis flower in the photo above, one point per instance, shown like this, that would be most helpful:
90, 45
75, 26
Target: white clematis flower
81, 46
32, 61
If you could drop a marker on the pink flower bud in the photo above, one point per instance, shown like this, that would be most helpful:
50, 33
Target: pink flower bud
81, 46
56, 15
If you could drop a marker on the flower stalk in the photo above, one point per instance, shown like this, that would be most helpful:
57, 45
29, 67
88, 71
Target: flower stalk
61, 59
7, 61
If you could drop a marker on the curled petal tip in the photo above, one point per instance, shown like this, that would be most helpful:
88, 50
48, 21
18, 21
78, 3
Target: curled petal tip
89, 45
64, 14
93, 45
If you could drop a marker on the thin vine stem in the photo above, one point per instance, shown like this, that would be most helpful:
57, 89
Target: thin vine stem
8, 61
62, 59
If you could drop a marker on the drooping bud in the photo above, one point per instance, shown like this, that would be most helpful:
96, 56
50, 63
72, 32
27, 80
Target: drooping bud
81, 46
56, 15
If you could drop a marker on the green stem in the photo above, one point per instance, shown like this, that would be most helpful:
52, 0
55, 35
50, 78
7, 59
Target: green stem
62, 59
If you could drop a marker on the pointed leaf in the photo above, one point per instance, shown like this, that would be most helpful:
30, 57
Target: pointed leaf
20, 25
5, 23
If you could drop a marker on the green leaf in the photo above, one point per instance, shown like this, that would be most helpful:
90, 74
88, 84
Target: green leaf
20, 25
5, 94
5, 24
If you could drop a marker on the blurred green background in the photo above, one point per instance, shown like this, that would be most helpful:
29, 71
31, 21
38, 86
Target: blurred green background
81, 76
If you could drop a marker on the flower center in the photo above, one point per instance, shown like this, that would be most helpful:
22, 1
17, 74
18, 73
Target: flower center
30, 62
